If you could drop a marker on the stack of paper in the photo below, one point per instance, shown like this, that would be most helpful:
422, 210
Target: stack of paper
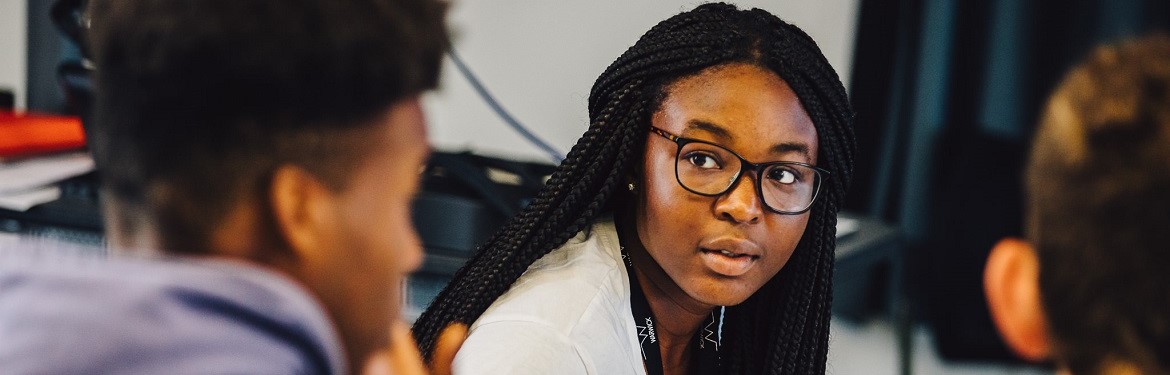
30, 182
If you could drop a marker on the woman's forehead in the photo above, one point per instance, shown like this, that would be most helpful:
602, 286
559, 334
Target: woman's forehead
745, 107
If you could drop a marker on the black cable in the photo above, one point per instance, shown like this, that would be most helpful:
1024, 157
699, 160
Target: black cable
557, 156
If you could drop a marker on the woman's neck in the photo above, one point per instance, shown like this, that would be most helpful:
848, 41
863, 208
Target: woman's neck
677, 314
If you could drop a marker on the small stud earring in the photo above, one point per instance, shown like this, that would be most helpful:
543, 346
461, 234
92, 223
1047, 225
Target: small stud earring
630, 186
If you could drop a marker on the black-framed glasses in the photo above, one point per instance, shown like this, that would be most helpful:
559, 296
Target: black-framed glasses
708, 169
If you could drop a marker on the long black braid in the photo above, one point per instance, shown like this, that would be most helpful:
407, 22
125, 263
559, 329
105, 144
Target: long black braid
781, 329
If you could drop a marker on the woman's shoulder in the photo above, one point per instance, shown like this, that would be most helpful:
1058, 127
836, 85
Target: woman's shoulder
569, 310
583, 277
596, 248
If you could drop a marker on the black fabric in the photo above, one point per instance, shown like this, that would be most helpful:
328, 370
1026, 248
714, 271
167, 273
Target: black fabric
976, 202
705, 357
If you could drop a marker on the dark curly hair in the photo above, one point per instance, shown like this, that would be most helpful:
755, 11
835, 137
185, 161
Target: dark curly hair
782, 328
1098, 185
198, 100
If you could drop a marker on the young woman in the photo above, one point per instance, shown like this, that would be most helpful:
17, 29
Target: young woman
690, 230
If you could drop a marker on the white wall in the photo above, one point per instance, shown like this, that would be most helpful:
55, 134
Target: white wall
540, 58
13, 47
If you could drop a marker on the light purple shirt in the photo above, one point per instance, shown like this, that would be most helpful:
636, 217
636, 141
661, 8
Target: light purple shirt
73, 314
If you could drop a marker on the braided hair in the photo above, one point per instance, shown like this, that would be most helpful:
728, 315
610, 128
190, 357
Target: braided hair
783, 327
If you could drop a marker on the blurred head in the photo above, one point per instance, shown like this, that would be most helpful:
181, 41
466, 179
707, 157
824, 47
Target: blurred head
1089, 287
284, 133
743, 80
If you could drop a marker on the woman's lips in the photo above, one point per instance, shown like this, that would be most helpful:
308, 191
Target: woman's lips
729, 256
726, 263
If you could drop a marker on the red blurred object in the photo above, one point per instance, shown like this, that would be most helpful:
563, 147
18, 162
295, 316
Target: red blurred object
23, 134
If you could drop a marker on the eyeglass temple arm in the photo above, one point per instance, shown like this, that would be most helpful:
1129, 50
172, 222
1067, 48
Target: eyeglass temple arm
664, 134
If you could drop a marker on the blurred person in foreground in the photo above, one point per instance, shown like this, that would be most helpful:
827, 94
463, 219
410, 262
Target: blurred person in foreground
1089, 289
258, 160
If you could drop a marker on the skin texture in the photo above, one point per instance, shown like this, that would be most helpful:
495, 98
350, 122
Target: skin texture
748, 110
403, 358
357, 245
370, 221
1012, 285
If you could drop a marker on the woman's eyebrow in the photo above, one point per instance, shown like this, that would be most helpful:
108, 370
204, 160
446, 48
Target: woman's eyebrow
792, 147
710, 127
724, 135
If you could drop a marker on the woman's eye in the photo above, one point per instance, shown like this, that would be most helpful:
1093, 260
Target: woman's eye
703, 161
782, 176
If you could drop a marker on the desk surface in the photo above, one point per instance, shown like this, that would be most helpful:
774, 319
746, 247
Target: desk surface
870, 233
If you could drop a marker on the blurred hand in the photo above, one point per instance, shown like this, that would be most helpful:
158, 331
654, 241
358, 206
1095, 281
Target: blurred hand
403, 357
445, 348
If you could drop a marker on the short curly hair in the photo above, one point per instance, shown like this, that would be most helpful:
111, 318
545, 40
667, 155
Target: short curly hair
197, 101
1098, 184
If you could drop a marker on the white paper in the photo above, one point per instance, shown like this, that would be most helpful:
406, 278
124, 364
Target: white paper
24, 200
29, 174
846, 226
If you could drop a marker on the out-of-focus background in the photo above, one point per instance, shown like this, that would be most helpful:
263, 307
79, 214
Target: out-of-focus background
946, 93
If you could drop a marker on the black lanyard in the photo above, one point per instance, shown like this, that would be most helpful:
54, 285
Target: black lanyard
705, 357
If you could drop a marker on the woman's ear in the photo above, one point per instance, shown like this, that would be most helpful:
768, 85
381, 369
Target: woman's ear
1012, 284
631, 185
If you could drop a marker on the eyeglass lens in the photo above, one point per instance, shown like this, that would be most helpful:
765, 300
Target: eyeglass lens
708, 169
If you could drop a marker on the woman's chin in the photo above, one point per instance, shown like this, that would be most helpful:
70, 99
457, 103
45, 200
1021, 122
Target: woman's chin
721, 293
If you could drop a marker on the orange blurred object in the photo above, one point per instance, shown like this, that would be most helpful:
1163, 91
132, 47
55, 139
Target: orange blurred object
24, 134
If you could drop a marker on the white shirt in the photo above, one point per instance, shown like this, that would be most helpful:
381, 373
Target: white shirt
568, 314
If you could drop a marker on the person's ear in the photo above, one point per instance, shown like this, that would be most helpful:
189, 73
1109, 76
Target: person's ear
1012, 284
301, 209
